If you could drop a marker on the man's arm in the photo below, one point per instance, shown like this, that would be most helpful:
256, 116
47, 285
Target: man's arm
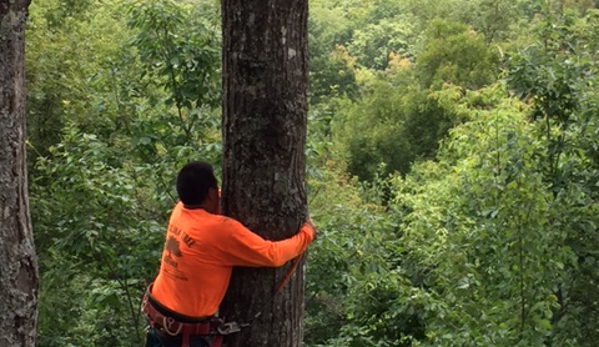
242, 247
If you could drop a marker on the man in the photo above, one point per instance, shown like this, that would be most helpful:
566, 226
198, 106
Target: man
200, 251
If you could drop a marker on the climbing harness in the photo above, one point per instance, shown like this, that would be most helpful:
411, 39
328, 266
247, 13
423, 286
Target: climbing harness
159, 317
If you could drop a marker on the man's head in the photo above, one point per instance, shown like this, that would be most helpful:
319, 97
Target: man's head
197, 186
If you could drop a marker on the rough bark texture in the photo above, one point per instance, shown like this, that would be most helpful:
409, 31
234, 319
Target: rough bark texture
264, 131
18, 272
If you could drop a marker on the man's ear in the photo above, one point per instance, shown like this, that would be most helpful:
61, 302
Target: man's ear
213, 194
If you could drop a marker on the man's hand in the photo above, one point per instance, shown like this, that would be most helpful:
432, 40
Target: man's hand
309, 222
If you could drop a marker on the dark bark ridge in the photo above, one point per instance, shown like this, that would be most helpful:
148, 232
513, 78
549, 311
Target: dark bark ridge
18, 274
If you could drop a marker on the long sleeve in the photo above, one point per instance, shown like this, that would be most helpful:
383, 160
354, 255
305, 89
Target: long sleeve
241, 247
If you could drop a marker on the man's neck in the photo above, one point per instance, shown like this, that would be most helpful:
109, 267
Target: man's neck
195, 207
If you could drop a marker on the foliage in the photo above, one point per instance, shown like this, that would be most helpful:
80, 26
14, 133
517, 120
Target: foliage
455, 54
178, 47
331, 68
452, 165
69, 69
395, 122
102, 240
179, 52
103, 173
493, 255
558, 78
372, 44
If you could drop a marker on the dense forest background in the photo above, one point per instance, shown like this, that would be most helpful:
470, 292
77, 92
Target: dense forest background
453, 165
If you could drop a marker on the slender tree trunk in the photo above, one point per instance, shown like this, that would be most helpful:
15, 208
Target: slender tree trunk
264, 131
18, 272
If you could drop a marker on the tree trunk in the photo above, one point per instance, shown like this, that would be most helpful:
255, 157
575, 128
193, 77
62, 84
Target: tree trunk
264, 132
18, 272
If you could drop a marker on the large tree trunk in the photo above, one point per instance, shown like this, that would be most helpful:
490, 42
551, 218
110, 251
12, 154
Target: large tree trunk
18, 272
264, 131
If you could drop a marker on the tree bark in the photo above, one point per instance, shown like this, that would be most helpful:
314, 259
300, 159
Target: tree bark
18, 274
264, 131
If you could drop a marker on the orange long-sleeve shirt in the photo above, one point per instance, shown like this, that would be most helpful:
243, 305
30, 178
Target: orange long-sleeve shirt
199, 254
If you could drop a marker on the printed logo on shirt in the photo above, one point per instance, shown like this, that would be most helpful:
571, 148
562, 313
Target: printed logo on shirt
172, 249
186, 238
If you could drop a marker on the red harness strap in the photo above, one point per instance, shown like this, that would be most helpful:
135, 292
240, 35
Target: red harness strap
176, 328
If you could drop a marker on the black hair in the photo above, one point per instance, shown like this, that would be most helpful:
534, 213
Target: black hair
193, 182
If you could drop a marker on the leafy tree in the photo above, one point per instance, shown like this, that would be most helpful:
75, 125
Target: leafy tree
332, 68
71, 69
102, 179
486, 208
395, 123
455, 54
556, 77
179, 49
373, 44
101, 233
334, 76
493, 19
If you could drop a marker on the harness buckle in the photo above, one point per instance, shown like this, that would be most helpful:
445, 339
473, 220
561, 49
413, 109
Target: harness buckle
228, 328
167, 325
